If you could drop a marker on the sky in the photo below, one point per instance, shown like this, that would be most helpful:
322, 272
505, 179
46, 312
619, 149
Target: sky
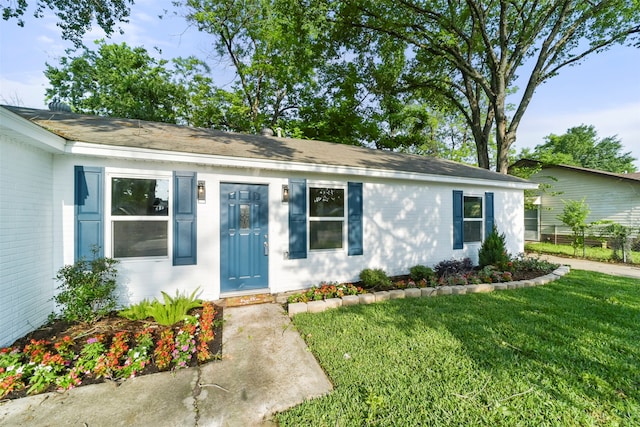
603, 91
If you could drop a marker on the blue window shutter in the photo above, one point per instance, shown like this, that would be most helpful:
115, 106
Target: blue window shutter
184, 218
89, 211
297, 218
458, 220
354, 222
488, 212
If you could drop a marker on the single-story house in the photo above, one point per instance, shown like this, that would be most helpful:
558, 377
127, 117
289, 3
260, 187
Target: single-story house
609, 196
183, 208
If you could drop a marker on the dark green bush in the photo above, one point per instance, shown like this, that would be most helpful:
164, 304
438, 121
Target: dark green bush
494, 251
421, 272
374, 278
453, 266
87, 289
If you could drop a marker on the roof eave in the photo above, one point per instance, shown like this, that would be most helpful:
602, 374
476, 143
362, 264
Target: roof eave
120, 152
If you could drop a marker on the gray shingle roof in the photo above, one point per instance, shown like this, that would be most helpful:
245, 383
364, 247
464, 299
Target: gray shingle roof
617, 176
162, 136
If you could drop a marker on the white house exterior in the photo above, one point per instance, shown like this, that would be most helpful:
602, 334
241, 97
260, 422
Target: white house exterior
184, 208
609, 196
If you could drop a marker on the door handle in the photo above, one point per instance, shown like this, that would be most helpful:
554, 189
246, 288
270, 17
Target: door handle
266, 246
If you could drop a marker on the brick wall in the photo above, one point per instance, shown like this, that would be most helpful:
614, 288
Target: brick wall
26, 231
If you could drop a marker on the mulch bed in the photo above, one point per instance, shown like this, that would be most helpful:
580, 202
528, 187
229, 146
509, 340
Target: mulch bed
108, 327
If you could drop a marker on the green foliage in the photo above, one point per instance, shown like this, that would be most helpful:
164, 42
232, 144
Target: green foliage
421, 272
171, 310
118, 81
452, 267
139, 311
574, 215
374, 278
482, 360
580, 146
494, 251
87, 289
621, 237
75, 18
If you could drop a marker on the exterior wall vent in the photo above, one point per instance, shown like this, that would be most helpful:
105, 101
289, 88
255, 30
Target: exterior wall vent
56, 105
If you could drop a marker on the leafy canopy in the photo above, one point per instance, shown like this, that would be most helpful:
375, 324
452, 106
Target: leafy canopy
75, 17
468, 54
117, 80
580, 146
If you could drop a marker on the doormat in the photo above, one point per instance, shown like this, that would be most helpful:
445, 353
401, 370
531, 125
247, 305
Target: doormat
248, 300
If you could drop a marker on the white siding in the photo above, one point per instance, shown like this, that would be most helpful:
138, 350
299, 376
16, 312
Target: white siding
607, 198
26, 246
405, 224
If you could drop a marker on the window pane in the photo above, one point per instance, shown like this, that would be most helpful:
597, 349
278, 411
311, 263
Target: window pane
472, 231
473, 207
245, 217
325, 234
139, 197
140, 238
326, 202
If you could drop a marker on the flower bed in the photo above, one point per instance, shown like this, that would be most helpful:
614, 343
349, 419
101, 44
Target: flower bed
64, 356
316, 306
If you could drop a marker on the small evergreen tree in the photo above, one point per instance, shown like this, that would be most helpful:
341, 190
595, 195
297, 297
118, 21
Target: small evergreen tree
493, 251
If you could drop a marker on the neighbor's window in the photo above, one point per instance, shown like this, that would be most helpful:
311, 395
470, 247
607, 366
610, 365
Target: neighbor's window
472, 219
326, 218
139, 217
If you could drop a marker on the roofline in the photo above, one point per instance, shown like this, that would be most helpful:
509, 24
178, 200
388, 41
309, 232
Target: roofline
120, 152
635, 179
36, 135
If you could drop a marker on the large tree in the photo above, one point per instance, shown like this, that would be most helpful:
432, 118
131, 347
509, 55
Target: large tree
261, 41
118, 80
74, 17
469, 54
580, 146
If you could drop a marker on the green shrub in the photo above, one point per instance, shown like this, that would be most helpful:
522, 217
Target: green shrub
421, 272
138, 311
373, 278
493, 251
87, 289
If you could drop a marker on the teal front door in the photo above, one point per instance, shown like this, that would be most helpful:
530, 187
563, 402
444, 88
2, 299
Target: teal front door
244, 244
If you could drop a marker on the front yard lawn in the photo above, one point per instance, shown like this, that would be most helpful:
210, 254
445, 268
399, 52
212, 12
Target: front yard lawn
567, 353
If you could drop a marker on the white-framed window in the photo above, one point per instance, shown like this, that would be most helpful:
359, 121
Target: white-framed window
473, 219
326, 217
139, 214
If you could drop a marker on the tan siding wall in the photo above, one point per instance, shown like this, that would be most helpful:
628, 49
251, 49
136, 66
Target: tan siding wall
607, 198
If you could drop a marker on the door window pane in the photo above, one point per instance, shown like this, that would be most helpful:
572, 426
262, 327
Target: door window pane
245, 216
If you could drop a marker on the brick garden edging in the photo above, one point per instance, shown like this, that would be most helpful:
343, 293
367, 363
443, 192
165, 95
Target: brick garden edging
319, 306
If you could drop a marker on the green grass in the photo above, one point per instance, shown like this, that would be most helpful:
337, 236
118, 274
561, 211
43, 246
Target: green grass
567, 353
593, 253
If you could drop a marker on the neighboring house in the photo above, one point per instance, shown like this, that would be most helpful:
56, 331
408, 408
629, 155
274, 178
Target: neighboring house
232, 214
609, 196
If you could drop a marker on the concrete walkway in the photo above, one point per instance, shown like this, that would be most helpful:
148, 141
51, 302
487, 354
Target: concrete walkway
624, 270
266, 367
